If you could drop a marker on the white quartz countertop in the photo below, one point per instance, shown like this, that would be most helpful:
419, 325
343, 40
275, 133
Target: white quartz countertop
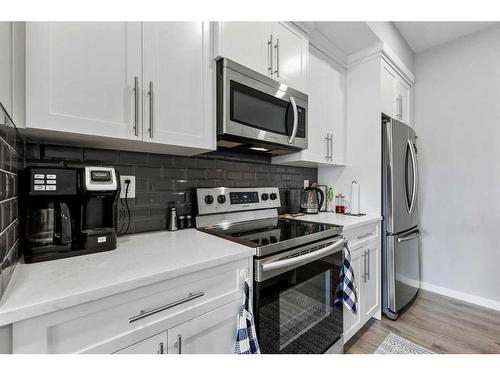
139, 260
347, 222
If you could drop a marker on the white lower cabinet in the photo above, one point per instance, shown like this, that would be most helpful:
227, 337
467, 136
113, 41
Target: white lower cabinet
156, 344
211, 333
365, 261
198, 310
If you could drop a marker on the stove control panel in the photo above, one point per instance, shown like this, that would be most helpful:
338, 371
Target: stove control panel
221, 200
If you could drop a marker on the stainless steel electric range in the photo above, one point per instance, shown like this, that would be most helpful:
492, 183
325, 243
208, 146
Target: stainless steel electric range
296, 268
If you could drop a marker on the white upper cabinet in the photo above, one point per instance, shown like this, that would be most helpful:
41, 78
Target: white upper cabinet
326, 115
270, 48
177, 84
247, 43
290, 52
80, 77
396, 94
5, 65
128, 81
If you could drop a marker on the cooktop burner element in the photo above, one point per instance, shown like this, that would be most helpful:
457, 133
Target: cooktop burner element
249, 216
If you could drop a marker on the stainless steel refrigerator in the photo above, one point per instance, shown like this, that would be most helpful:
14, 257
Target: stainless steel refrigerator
401, 275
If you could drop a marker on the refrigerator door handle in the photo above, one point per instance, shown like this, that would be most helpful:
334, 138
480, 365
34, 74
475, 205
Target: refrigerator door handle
415, 176
415, 234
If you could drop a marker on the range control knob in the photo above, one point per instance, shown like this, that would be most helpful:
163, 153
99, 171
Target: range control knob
209, 199
221, 199
264, 196
273, 196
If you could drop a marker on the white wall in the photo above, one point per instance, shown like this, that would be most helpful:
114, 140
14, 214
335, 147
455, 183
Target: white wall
363, 138
457, 119
390, 35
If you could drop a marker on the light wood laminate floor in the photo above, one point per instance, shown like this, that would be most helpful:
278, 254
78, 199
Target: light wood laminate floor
438, 323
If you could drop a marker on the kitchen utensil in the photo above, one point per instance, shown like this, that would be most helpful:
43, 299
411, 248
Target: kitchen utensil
312, 200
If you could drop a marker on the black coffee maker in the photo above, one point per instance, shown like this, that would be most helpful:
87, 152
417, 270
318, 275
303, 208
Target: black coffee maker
67, 211
99, 196
51, 211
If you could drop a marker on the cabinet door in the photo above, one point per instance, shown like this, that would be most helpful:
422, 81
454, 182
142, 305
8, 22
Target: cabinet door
156, 344
352, 322
404, 100
177, 84
80, 77
370, 287
291, 54
389, 90
211, 333
247, 43
5, 66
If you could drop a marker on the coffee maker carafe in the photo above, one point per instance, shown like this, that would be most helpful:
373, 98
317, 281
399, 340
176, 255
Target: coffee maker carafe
50, 206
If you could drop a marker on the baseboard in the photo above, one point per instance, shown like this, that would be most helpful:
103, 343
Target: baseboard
466, 297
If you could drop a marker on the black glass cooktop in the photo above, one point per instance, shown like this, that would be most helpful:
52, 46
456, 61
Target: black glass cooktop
271, 235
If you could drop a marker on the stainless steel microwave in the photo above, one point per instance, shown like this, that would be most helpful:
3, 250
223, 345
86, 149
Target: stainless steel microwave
256, 112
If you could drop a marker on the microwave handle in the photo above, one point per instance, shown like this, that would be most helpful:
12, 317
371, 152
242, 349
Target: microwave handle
295, 120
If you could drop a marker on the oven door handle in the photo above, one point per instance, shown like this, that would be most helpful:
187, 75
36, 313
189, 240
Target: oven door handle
295, 120
291, 261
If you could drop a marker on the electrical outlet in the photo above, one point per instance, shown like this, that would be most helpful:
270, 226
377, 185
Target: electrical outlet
306, 184
131, 188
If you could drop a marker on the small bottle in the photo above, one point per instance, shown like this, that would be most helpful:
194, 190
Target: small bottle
330, 196
189, 221
181, 222
172, 219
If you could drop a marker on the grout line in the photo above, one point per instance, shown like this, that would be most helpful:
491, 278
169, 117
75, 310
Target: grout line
9, 146
8, 227
9, 199
8, 172
7, 254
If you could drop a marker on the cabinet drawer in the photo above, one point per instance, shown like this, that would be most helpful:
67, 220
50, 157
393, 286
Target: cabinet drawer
170, 303
362, 235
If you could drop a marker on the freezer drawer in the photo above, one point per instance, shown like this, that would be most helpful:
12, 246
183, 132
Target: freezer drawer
402, 271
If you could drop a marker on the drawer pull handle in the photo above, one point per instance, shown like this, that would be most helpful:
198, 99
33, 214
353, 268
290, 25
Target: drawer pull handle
149, 312
365, 235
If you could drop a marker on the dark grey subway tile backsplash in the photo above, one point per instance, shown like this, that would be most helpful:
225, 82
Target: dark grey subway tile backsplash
11, 161
164, 181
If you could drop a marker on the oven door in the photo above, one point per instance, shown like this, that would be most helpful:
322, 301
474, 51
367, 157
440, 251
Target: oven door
260, 109
294, 295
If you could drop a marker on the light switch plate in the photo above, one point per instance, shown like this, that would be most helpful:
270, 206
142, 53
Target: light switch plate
306, 184
131, 188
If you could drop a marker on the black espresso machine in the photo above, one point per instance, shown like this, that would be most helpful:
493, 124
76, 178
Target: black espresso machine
68, 211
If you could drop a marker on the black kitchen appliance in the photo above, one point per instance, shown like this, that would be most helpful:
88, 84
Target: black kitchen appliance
61, 218
99, 195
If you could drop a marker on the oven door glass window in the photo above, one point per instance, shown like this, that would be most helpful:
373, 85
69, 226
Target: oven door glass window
295, 311
260, 110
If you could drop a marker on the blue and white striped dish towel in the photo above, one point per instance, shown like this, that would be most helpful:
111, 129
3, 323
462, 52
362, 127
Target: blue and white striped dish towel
346, 291
246, 337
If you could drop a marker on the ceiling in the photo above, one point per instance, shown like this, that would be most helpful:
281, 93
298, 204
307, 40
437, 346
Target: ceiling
423, 35
350, 37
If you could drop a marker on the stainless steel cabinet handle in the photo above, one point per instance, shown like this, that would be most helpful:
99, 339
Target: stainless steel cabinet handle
368, 266
136, 106
401, 107
160, 348
327, 138
398, 107
151, 109
364, 266
277, 47
331, 147
179, 344
149, 312
295, 120
270, 54
365, 235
